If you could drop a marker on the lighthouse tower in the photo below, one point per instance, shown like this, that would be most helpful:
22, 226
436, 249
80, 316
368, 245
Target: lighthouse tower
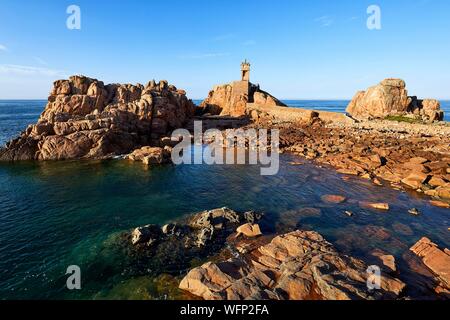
245, 71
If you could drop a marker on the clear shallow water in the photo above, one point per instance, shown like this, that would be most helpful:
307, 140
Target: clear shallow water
57, 214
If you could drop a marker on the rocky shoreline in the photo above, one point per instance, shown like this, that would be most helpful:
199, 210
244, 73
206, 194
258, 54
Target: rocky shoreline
85, 119
244, 262
246, 258
403, 160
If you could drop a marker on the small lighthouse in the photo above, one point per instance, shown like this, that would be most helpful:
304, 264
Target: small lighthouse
245, 71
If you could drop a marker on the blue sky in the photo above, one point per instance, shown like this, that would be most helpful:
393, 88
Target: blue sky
301, 49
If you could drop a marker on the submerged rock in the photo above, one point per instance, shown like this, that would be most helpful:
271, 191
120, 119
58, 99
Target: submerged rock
151, 155
387, 260
333, 198
300, 265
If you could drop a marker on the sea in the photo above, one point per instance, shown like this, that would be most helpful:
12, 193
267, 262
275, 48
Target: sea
57, 214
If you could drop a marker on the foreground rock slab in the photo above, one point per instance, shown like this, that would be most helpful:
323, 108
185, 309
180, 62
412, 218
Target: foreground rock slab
437, 260
300, 265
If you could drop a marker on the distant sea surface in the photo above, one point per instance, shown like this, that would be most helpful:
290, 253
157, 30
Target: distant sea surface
16, 115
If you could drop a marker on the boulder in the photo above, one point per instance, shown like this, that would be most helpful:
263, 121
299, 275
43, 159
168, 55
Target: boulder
147, 235
151, 155
390, 98
387, 98
415, 180
444, 191
249, 230
387, 260
437, 182
430, 110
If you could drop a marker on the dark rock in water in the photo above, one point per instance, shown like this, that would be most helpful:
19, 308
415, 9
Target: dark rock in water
147, 235
170, 229
173, 247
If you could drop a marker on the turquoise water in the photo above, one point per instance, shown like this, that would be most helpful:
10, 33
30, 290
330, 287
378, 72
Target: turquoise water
56, 214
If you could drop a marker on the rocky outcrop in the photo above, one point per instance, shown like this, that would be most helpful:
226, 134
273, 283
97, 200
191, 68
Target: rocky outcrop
85, 119
202, 233
300, 265
232, 99
172, 249
390, 98
437, 260
406, 160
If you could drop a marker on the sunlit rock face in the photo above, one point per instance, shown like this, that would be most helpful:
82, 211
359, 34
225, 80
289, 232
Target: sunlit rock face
232, 99
84, 118
390, 98
300, 265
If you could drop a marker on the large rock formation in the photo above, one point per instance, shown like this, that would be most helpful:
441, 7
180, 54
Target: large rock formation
86, 119
389, 98
231, 99
300, 265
